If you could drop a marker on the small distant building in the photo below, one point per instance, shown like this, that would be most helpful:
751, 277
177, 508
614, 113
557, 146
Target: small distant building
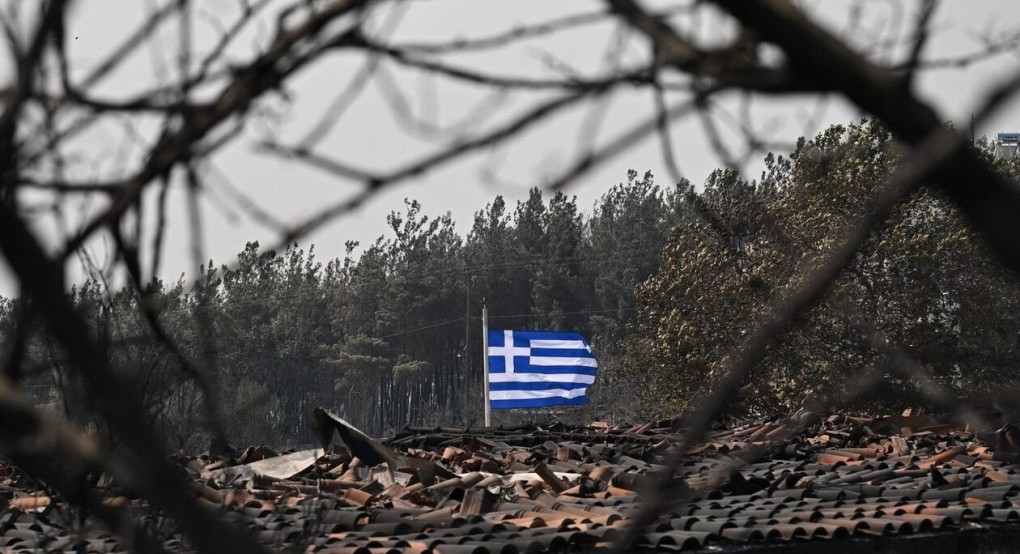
1007, 144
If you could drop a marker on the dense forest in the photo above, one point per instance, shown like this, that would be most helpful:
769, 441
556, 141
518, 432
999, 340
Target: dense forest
390, 334
922, 309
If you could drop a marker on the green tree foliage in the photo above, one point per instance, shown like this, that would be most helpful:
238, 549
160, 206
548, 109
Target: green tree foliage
923, 281
625, 236
390, 334
665, 283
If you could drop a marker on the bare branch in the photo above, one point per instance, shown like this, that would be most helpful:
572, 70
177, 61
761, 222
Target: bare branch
520, 33
927, 161
130, 44
622, 142
992, 49
36, 439
921, 34
374, 182
260, 76
110, 393
494, 80
989, 202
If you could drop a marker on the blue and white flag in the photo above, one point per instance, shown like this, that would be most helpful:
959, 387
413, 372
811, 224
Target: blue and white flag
534, 369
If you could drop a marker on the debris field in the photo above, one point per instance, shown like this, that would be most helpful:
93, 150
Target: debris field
762, 483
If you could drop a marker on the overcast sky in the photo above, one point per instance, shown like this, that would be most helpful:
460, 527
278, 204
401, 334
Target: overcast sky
370, 135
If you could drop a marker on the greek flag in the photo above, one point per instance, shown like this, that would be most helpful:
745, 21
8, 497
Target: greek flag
534, 369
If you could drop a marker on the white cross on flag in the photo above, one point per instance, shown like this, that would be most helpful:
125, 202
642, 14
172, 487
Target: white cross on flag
534, 369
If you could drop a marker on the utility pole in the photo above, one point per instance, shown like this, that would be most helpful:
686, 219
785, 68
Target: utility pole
463, 376
467, 319
485, 361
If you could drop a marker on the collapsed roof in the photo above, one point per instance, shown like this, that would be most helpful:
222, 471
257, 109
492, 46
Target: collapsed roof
841, 482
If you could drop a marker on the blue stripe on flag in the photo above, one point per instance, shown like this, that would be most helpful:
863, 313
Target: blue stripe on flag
536, 385
556, 369
520, 366
538, 403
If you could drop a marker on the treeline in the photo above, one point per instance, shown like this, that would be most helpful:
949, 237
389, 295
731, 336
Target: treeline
922, 307
387, 336
390, 334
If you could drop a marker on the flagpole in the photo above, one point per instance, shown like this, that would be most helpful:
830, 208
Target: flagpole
485, 360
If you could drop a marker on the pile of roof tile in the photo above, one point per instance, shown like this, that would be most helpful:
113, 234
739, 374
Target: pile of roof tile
557, 488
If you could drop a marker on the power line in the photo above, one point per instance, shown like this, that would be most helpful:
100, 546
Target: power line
584, 312
429, 326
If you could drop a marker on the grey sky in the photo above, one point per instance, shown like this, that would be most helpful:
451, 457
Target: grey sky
370, 136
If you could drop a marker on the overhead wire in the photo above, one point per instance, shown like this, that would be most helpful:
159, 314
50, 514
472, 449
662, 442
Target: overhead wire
423, 328
582, 312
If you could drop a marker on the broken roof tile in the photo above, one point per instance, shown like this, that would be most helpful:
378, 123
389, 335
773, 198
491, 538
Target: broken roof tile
532, 489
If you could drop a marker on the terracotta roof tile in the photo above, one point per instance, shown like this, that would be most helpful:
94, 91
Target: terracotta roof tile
553, 488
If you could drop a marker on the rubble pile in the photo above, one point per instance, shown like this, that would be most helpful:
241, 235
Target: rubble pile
551, 488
